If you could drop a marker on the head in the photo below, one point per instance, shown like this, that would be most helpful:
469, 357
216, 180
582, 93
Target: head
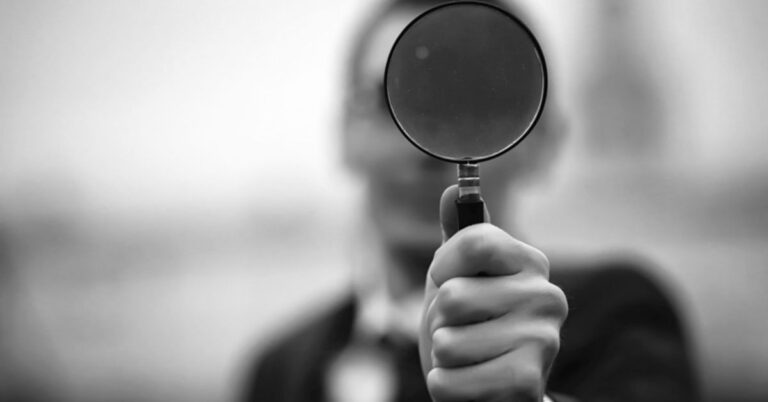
403, 184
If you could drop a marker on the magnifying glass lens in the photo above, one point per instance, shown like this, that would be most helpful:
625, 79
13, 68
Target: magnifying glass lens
465, 82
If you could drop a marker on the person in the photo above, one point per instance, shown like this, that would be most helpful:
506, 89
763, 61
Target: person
490, 323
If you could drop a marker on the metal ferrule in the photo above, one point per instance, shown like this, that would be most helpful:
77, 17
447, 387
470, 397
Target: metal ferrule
469, 182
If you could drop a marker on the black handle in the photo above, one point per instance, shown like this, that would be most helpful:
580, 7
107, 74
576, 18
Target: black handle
470, 211
470, 207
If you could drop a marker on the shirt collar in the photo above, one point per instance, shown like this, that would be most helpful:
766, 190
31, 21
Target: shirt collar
379, 314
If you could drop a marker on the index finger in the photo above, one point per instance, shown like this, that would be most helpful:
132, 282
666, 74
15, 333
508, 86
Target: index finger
485, 250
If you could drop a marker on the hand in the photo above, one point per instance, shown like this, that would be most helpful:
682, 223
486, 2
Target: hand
491, 322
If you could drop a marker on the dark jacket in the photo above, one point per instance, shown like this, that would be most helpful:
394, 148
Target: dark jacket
622, 341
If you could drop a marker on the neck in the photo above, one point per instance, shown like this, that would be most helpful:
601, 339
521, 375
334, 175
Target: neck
408, 269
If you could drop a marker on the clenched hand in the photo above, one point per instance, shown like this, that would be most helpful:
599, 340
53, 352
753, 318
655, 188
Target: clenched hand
491, 322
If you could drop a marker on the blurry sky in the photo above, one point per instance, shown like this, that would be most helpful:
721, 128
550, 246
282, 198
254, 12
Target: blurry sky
162, 162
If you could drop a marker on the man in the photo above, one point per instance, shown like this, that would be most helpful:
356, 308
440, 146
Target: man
490, 323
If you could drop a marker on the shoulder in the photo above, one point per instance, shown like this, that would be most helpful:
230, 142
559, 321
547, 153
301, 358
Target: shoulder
623, 328
612, 282
610, 295
290, 360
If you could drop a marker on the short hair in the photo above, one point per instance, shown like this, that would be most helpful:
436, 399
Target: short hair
374, 19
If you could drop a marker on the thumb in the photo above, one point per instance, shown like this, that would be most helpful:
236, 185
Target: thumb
449, 217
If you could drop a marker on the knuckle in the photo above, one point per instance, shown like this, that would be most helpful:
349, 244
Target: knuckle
522, 257
539, 259
558, 303
550, 342
550, 300
452, 295
437, 384
534, 259
442, 345
474, 243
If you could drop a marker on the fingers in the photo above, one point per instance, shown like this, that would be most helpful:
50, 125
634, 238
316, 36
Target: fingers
472, 320
516, 375
467, 300
454, 347
484, 249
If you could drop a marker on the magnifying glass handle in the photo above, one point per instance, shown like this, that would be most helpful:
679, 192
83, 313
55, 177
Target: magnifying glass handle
470, 206
470, 212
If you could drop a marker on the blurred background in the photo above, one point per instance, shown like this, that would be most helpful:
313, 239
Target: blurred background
171, 191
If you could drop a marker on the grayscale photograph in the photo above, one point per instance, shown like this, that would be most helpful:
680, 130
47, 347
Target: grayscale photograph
383, 201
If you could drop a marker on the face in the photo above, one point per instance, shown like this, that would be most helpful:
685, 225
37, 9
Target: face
403, 183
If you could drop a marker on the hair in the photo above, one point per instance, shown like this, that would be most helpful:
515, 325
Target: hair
374, 19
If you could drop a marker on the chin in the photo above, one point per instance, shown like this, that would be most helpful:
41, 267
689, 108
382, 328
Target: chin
407, 216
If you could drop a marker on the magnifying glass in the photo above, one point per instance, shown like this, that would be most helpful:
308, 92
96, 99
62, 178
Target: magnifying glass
466, 82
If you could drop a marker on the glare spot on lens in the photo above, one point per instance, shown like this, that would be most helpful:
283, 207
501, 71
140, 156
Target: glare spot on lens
422, 52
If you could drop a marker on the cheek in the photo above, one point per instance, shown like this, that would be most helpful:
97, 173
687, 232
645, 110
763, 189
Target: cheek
372, 145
